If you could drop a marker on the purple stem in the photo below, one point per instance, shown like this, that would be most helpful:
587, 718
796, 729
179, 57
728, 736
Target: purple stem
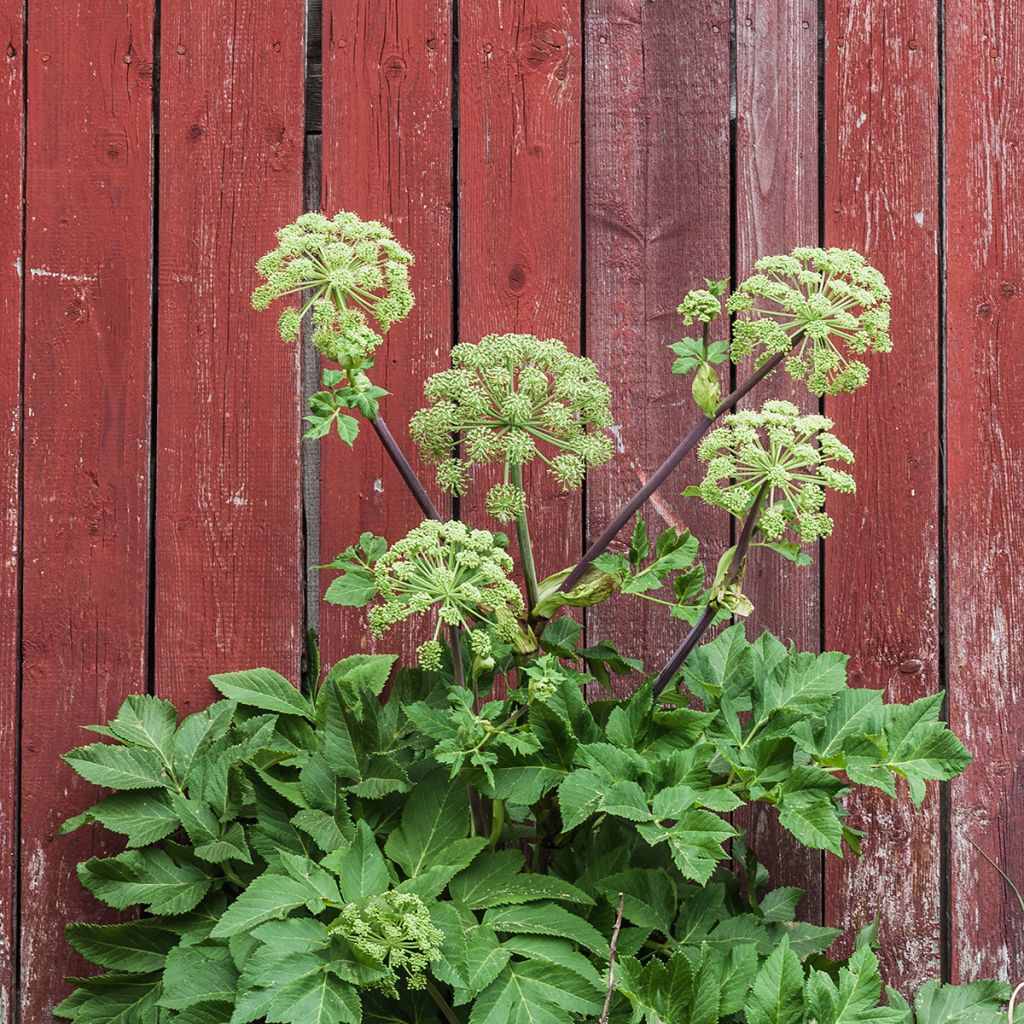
688, 443
682, 652
412, 481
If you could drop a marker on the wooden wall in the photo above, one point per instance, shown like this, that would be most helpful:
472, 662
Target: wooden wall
564, 167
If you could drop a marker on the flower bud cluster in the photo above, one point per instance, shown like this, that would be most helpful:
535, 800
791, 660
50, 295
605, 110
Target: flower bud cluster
823, 306
460, 572
395, 930
787, 452
510, 399
351, 269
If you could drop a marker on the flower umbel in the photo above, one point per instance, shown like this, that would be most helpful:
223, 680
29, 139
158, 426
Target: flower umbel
394, 929
352, 269
464, 573
827, 304
511, 399
788, 452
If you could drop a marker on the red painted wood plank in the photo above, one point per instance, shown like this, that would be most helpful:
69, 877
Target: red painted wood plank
657, 210
86, 470
228, 574
776, 195
881, 565
985, 420
12, 75
520, 81
387, 155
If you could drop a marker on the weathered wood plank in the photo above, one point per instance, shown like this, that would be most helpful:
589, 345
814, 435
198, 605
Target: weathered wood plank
520, 82
228, 571
86, 461
12, 95
387, 155
881, 565
985, 453
776, 196
657, 211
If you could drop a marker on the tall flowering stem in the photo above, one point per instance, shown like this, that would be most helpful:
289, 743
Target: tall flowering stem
404, 467
658, 477
525, 545
702, 625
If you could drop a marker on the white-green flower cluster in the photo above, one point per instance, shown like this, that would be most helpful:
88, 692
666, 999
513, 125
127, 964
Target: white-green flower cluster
823, 305
701, 305
394, 929
510, 399
460, 572
351, 269
789, 453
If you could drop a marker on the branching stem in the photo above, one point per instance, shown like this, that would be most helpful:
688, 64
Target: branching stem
442, 1004
736, 568
658, 477
525, 547
404, 467
603, 1019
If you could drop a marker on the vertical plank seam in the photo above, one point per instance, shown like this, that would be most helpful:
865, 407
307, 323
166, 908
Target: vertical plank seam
945, 813
584, 489
16, 859
456, 197
822, 596
154, 303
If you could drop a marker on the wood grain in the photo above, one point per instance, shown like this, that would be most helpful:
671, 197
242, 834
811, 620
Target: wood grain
520, 88
387, 155
657, 211
776, 197
12, 95
88, 248
228, 572
882, 563
985, 460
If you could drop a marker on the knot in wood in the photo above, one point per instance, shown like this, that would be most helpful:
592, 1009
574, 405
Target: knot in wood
911, 667
543, 49
394, 67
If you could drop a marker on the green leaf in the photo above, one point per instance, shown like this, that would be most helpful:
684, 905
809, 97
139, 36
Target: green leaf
361, 867
263, 688
196, 974
362, 673
650, 898
436, 815
535, 992
809, 683
136, 947
780, 904
150, 877
196, 734
146, 721
812, 817
776, 996
144, 816
497, 879
113, 999
117, 767
978, 1002
546, 919
695, 842
354, 588
269, 896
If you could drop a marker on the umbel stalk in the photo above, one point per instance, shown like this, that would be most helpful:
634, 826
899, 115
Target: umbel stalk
402, 464
658, 477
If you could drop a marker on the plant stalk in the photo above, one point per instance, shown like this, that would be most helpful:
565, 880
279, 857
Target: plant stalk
603, 1019
682, 652
526, 548
442, 1004
404, 467
688, 443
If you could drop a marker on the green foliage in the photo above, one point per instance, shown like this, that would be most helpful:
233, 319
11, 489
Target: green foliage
321, 858
474, 841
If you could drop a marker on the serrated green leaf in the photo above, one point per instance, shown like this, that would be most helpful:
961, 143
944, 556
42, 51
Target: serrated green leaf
777, 996
144, 816
435, 816
361, 867
195, 974
117, 767
354, 588
812, 817
149, 877
546, 919
263, 688
534, 992
113, 999
146, 721
978, 1002
269, 896
134, 947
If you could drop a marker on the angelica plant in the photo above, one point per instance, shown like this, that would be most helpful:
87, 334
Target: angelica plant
470, 840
